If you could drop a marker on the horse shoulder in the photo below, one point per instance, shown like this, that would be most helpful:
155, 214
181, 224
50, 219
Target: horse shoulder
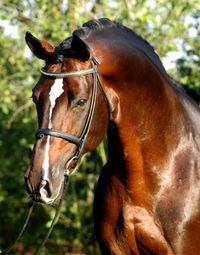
148, 233
122, 227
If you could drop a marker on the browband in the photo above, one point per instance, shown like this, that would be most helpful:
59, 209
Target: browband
68, 74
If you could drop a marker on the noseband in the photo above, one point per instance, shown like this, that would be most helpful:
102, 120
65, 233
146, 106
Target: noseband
78, 141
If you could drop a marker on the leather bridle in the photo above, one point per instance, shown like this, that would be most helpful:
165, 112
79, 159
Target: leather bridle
78, 141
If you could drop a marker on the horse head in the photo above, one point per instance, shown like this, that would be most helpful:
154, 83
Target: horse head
72, 116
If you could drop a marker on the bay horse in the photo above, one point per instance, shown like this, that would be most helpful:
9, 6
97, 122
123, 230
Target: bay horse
147, 199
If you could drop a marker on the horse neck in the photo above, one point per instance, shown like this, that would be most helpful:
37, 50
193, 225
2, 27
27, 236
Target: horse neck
147, 125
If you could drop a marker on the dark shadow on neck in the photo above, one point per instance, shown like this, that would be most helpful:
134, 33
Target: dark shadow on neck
116, 161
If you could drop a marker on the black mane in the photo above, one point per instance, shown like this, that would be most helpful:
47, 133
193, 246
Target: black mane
104, 23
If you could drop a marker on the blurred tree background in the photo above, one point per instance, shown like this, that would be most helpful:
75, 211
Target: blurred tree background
172, 28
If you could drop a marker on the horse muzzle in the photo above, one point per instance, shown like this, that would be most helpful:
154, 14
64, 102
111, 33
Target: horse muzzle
43, 192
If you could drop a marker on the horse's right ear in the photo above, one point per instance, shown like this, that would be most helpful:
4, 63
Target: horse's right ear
80, 48
40, 49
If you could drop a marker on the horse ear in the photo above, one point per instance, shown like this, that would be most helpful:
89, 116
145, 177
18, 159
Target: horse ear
40, 49
80, 48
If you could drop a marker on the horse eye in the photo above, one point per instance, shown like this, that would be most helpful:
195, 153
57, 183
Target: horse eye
82, 102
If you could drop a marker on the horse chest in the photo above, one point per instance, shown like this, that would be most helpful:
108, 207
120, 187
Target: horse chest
123, 228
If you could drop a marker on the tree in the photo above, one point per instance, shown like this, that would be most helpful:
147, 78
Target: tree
188, 66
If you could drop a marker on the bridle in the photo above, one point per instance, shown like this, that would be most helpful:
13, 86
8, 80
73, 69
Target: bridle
78, 141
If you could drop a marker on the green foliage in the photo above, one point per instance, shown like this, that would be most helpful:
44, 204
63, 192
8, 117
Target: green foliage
162, 23
188, 66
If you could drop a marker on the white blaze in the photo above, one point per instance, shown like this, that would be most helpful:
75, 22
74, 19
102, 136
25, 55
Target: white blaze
55, 92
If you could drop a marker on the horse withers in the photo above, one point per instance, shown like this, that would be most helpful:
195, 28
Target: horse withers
148, 193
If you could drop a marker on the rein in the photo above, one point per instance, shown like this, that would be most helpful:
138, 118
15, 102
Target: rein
7, 251
65, 186
78, 141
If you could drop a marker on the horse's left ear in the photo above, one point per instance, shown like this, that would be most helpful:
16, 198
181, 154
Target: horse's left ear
40, 49
80, 48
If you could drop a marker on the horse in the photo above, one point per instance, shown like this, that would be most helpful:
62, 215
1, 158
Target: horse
107, 79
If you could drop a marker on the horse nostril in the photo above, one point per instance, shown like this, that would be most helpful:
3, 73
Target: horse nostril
45, 188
